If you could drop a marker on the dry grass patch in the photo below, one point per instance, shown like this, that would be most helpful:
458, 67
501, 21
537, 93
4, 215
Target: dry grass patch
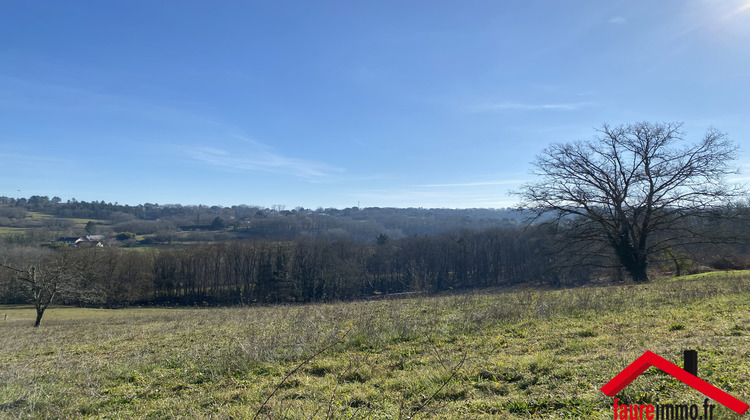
541, 354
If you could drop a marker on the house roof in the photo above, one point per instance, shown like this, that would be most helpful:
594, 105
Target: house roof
71, 239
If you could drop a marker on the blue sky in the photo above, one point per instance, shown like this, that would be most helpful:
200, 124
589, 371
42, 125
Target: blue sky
339, 103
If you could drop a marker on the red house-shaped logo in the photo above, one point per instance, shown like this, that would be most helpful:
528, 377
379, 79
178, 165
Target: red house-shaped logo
649, 359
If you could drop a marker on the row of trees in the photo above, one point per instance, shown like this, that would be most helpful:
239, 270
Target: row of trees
309, 270
303, 270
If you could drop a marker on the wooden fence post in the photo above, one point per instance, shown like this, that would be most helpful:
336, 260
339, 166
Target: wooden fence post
691, 361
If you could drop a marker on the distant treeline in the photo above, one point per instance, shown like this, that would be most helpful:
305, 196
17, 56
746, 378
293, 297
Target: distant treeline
308, 269
211, 223
314, 270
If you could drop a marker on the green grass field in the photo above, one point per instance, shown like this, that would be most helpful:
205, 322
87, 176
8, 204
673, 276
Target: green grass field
519, 354
36, 215
6, 230
80, 223
714, 275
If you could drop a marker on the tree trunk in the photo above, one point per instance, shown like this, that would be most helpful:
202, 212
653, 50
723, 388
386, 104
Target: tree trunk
39, 313
638, 272
634, 262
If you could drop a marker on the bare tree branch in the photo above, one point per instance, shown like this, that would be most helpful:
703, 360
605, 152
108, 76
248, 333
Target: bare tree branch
631, 185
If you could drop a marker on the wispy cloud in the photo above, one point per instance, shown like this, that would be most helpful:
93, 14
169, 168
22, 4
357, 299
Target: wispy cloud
255, 156
433, 199
493, 193
618, 20
474, 184
515, 106
27, 159
231, 149
743, 7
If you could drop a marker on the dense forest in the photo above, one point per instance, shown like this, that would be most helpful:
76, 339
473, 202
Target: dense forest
197, 255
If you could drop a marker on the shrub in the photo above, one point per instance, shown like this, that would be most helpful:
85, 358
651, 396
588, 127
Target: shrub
124, 236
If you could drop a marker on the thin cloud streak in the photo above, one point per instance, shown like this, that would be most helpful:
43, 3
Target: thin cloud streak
513, 106
26, 159
474, 184
248, 155
737, 11
262, 159
429, 197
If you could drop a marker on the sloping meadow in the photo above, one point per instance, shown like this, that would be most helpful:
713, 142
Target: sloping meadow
506, 354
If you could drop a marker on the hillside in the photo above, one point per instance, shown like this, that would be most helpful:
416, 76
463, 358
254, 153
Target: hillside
507, 354
39, 219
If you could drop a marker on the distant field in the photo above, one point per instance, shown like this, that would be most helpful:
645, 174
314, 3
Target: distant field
32, 215
522, 354
82, 222
39, 215
4, 230
77, 221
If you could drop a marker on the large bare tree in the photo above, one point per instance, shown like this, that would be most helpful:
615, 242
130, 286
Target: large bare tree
633, 187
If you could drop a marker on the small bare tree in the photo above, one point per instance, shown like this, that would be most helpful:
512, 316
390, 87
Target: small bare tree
632, 188
48, 277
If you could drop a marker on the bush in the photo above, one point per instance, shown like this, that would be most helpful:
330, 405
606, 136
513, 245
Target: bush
124, 236
729, 263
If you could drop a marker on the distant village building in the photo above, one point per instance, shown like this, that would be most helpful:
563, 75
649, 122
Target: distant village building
69, 240
88, 241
